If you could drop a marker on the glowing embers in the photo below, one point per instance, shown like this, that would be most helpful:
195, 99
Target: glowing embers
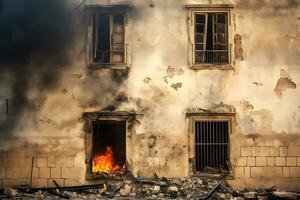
105, 163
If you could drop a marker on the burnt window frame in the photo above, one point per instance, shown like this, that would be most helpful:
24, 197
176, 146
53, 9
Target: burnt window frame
91, 11
89, 118
205, 9
194, 117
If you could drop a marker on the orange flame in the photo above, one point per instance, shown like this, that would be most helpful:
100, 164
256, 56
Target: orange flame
105, 163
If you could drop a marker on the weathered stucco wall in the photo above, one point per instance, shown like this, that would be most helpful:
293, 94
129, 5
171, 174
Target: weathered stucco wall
263, 89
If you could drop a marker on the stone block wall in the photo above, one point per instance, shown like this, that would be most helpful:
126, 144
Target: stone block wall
278, 165
16, 170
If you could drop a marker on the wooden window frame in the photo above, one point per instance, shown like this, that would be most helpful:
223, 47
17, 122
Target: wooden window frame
205, 9
110, 11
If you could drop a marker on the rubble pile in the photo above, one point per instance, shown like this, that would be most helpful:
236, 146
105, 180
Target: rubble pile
198, 187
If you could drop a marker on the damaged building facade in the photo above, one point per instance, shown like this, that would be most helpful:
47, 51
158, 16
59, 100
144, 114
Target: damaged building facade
157, 87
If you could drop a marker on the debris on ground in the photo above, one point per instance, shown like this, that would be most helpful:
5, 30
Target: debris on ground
209, 186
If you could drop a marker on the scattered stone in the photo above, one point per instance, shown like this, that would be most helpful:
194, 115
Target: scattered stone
173, 188
101, 190
38, 193
286, 195
126, 190
133, 194
10, 192
156, 189
250, 195
160, 188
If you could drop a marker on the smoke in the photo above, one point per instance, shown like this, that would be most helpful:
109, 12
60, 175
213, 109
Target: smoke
35, 38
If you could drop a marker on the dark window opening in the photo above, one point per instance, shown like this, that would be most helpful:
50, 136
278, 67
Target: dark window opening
211, 38
108, 38
211, 145
109, 147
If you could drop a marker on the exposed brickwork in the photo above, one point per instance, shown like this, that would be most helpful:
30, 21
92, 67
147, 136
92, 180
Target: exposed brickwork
41, 162
44, 172
55, 172
291, 161
245, 151
17, 171
280, 162
274, 151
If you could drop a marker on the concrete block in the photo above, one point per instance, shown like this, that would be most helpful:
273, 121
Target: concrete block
272, 172
256, 151
283, 151
15, 182
55, 172
298, 161
18, 162
35, 173
261, 161
250, 161
41, 162
19, 173
291, 161
2, 162
65, 162
286, 172
274, 151
247, 172
2, 172
51, 161
294, 151
44, 172
21, 152
241, 162
239, 172
295, 172
264, 151
71, 173
245, 151
256, 172
271, 161
61, 182
40, 183
72, 182
280, 161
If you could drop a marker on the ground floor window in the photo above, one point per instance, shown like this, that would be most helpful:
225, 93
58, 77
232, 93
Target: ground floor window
211, 145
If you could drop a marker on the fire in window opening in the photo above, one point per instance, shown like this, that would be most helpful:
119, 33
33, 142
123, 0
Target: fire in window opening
108, 148
108, 38
211, 38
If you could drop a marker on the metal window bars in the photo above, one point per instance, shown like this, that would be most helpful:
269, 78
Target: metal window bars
211, 145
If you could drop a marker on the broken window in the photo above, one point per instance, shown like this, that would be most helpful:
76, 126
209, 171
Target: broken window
108, 38
211, 38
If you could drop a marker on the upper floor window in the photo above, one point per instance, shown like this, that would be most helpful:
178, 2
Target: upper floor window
108, 36
211, 38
